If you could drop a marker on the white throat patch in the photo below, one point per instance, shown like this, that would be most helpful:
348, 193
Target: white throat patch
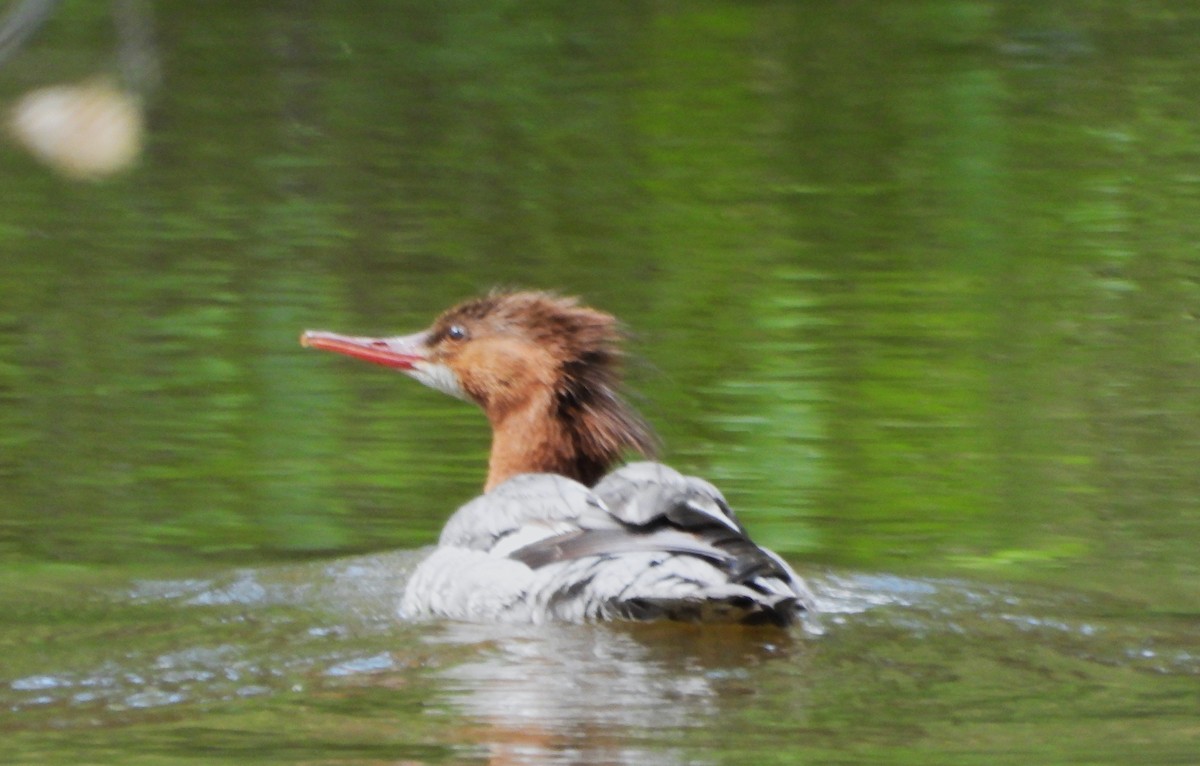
439, 377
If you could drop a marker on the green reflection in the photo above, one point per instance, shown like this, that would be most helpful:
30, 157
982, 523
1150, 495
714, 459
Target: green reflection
914, 284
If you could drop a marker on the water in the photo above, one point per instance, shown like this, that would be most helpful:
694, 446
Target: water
915, 284
294, 661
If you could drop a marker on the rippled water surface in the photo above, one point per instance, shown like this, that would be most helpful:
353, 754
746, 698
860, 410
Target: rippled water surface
916, 284
296, 662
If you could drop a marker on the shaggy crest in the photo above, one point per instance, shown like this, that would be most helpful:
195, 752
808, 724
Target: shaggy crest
584, 346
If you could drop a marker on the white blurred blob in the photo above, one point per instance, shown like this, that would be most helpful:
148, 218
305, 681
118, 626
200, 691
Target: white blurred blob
85, 131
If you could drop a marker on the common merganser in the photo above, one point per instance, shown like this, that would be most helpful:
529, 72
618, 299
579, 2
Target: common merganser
552, 537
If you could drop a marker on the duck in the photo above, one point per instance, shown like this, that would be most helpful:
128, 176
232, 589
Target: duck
564, 531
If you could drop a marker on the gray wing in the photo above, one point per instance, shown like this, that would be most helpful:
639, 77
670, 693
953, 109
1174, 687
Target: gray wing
643, 493
652, 496
660, 511
533, 504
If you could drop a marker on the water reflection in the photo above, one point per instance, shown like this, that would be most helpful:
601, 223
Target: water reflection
604, 693
289, 641
226, 635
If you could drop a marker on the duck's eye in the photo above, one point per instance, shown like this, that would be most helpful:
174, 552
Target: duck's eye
456, 332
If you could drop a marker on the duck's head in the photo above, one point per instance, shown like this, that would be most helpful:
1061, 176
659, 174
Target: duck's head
545, 370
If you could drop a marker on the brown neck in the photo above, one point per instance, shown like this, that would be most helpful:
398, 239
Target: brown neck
532, 439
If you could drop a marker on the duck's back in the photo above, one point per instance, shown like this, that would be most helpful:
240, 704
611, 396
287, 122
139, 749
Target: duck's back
646, 543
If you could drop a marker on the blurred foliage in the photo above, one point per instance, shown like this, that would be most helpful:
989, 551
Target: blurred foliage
915, 283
